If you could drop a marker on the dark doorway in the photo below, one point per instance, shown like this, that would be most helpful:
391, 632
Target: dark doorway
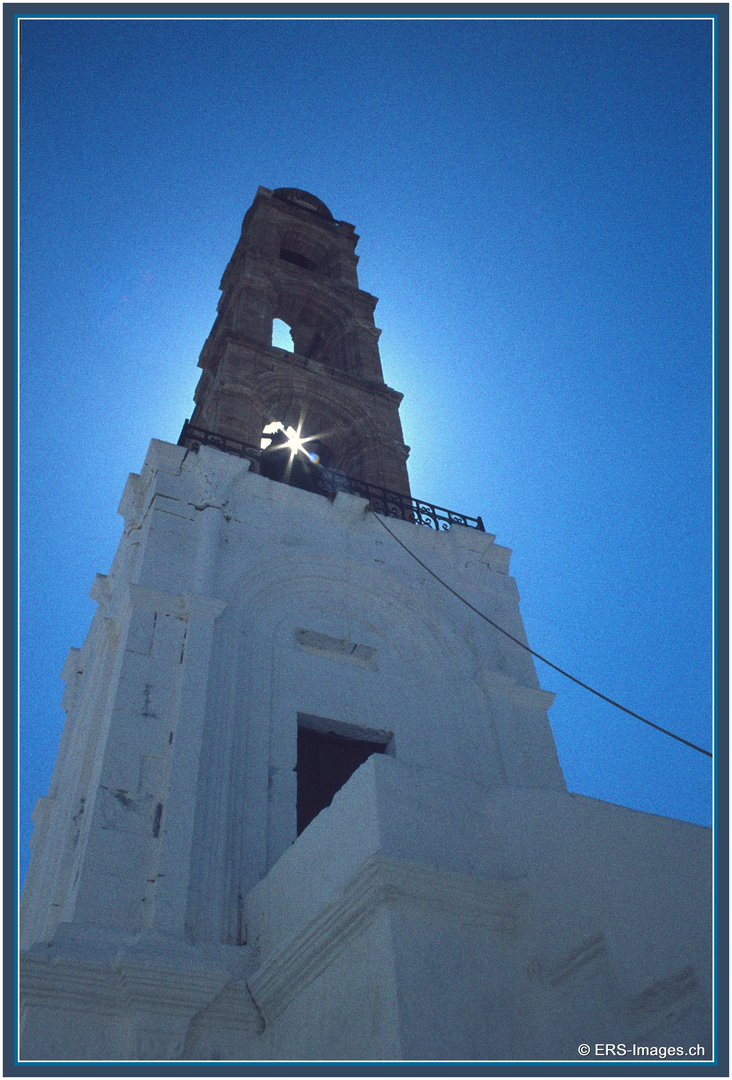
324, 762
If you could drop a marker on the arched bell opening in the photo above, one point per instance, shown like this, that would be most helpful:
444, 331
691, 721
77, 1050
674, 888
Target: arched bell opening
307, 252
319, 332
336, 436
290, 456
282, 335
297, 259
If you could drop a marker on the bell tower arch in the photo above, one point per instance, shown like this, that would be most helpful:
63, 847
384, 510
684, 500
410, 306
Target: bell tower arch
296, 263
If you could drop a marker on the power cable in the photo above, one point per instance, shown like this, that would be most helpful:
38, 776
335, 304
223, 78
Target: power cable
538, 656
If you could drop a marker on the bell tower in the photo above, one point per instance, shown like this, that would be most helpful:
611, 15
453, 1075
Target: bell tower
294, 262
307, 805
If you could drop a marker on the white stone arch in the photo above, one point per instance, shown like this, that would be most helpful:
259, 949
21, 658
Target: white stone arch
259, 682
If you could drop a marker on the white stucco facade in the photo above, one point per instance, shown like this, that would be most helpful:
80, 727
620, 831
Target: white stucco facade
454, 901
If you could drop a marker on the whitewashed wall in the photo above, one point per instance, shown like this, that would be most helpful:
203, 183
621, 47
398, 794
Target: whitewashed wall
454, 901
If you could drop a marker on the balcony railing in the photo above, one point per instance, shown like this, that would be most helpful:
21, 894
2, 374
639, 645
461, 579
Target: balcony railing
329, 482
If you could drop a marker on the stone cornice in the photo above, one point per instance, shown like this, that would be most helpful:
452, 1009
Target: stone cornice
380, 881
314, 368
181, 607
101, 589
116, 988
146, 599
532, 697
203, 607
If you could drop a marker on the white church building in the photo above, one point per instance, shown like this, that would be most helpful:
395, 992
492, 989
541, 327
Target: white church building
307, 805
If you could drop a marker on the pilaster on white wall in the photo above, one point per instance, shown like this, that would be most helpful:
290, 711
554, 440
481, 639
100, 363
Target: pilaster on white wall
176, 834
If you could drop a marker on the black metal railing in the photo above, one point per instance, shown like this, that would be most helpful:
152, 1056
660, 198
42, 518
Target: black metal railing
194, 437
329, 482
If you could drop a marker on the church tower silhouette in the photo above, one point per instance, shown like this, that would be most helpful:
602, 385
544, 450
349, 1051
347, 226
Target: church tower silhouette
307, 805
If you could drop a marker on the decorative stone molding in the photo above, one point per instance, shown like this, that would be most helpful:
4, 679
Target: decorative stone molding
71, 674
67, 985
72, 665
161, 1002
666, 999
101, 589
41, 818
337, 648
130, 505
585, 957
381, 881
180, 607
532, 697
494, 682
204, 607
147, 599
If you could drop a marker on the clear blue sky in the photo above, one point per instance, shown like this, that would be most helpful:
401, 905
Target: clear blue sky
534, 202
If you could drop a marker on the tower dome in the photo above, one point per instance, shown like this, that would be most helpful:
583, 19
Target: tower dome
304, 199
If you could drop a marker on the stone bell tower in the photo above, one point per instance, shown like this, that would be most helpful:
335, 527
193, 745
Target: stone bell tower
307, 805
295, 263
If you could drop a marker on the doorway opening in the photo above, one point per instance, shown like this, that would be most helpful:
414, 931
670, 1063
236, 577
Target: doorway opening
328, 754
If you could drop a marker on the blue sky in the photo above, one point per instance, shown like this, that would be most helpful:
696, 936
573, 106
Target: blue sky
534, 198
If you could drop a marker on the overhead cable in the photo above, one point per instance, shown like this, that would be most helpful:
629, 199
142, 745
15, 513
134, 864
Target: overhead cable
538, 656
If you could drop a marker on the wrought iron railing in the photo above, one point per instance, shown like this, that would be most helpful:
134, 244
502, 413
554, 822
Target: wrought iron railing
329, 482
